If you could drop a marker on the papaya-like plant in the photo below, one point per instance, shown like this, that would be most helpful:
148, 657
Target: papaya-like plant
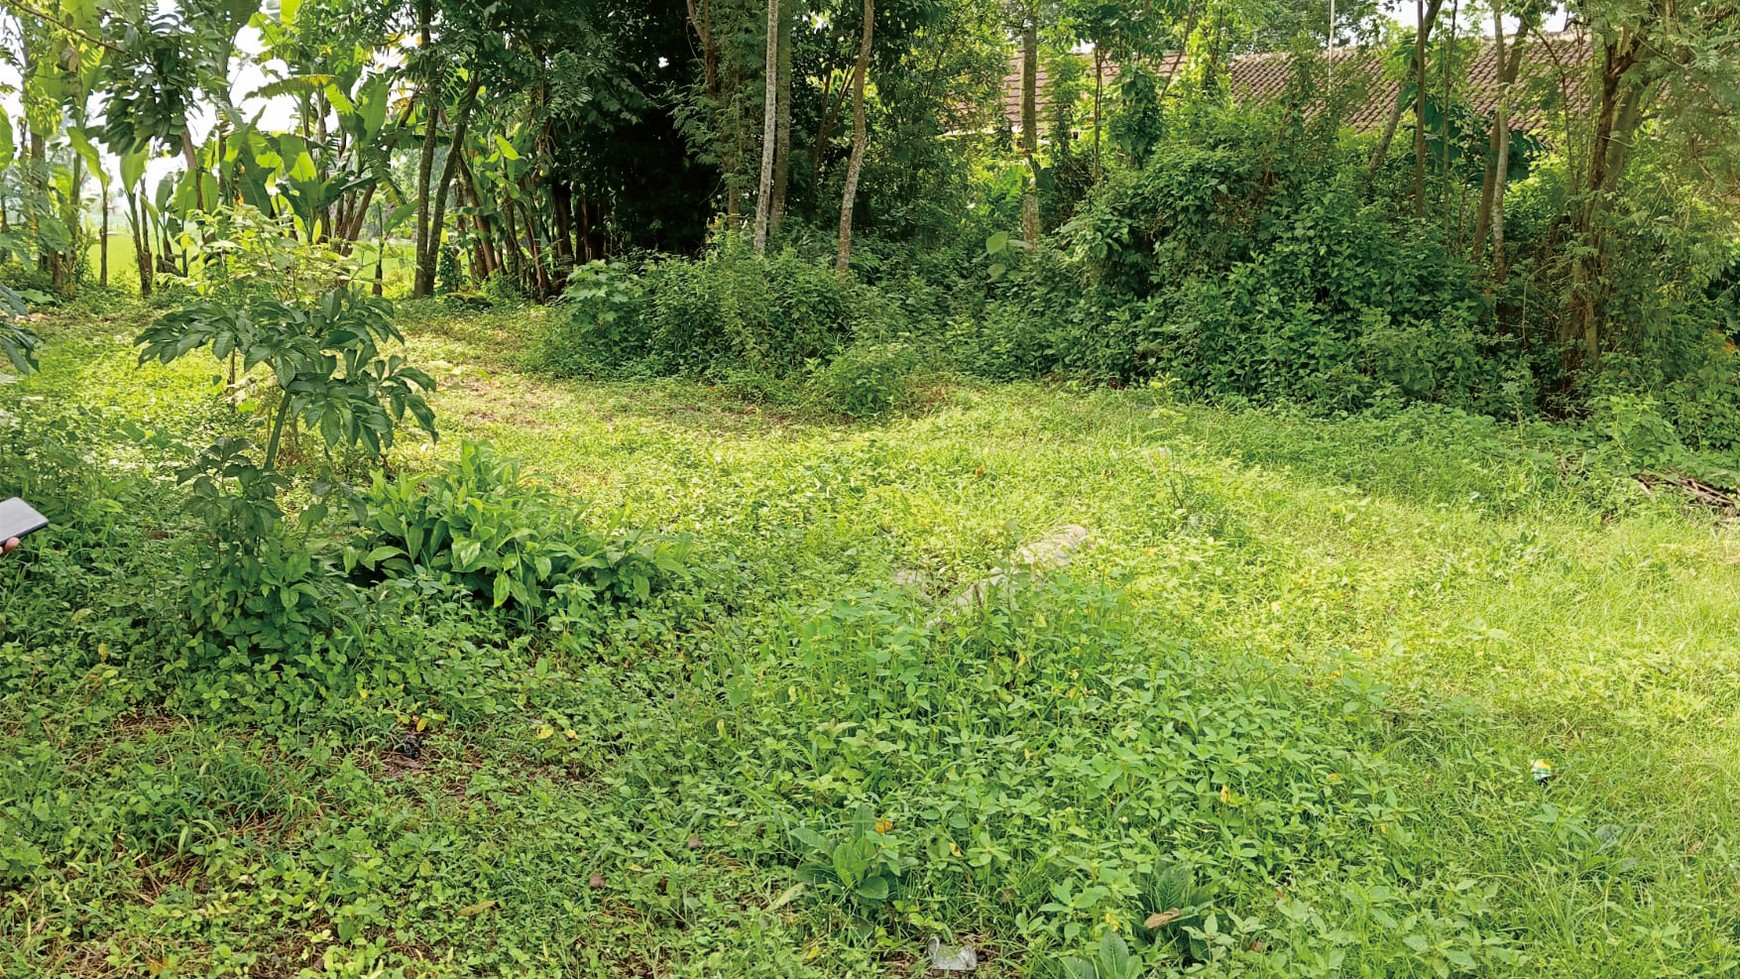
326, 360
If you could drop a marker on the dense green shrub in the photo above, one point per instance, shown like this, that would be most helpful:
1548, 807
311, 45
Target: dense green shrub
870, 379
1243, 260
477, 522
728, 310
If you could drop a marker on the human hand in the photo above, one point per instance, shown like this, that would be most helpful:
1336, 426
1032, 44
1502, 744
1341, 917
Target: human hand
10, 546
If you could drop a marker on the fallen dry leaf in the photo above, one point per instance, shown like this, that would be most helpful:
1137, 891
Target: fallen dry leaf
1159, 918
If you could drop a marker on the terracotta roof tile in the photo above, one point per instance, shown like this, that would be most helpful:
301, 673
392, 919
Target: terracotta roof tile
1263, 78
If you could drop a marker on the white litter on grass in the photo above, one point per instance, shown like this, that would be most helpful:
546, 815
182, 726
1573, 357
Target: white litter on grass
952, 958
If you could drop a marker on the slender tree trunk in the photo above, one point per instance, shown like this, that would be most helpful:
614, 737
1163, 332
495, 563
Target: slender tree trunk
540, 275
38, 181
782, 120
733, 158
1616, 122
830, 115
1509, 67
1382, 152
855, 167
353, 227
426, 158
511, 241
103, 253
190, 153
1099, 95
769, 113
429, 253
1030, 125
1427, 11
586, 224
1444, 130
141, 245
562, 213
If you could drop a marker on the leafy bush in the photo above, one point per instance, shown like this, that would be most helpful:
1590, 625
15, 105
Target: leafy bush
17, 344
605, 307
1257, 272
728, 310
871, 379
479, 523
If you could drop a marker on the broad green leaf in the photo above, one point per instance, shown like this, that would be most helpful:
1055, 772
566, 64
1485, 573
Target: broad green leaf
132, 169
303, 170
371, 104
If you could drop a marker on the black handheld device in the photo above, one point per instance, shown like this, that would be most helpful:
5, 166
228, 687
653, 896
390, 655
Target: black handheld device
18, 519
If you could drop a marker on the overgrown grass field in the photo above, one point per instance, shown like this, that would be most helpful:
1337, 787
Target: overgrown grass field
1277, 716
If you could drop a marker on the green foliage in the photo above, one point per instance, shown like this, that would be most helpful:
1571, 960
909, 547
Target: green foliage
1290, 690
867, 380
16, 343
781, 329
507, 541
326, 361
238, 255
1114, 961
861, 871
729, 310
606, 305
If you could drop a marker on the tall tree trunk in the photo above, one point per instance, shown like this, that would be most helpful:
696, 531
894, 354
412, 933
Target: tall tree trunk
855, 166
1427, 11
1382, 152
37, 171
516, 263
825, 125
540, 279
1616, 122
562, 214
353, 226
1099, 95
1508, 68
1030, 124
769, 111
103, 253
426, 159
141, 245
190, 153
782, 120
430, 252
1444, 129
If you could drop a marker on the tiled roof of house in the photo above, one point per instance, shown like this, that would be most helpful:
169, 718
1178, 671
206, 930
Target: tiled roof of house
1263, 77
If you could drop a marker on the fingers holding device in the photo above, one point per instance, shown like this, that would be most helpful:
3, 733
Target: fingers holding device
18, 520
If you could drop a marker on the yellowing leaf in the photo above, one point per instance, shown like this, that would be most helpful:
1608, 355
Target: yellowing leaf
477, 909
786, 896
1226, 795
1159, 918
545, 732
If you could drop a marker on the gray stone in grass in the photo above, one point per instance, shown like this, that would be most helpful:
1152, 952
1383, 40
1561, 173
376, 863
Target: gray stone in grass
918, 581
1046, 554
952, 958
1053, 551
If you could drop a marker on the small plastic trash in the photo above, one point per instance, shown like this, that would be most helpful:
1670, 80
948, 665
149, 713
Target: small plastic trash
1542, 770
952, 958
